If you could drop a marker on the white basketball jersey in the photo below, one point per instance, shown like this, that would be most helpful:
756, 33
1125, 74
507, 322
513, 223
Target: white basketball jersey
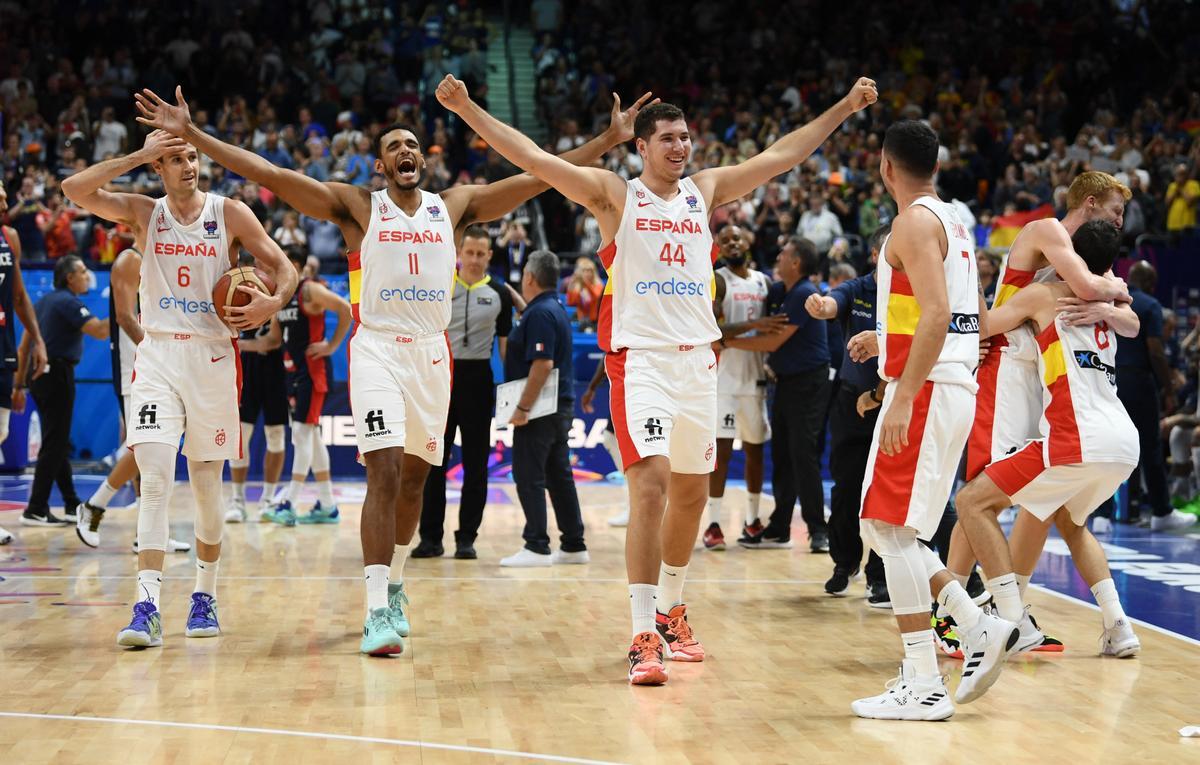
180, 267
899, 312
739, 372
660, 273
1083, 421
402, 279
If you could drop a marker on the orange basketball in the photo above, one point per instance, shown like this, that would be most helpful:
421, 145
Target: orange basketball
227, 294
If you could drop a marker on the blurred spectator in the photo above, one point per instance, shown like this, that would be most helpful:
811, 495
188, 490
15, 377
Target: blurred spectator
290, 232
583, 290
54, 220
111, 137
989, 268
818, 225
1182, 196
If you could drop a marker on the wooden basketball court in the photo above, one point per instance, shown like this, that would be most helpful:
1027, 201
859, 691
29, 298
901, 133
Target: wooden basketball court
512, 665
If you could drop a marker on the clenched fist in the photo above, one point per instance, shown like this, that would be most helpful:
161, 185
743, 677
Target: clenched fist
452, 94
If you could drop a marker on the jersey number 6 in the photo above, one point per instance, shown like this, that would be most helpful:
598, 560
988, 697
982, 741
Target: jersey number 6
184, 276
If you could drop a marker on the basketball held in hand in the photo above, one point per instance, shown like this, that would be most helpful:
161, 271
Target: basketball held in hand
227, 295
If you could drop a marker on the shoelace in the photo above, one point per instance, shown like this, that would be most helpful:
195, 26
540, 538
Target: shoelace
645, 649
141, 615
201, 609
682, 631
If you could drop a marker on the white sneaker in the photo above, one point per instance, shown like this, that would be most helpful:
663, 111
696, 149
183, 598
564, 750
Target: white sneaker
5, 537
559, 556
87, 524
525, 558
620, 521
1031, 637
1173, 520
1119, 641
173, 545
237, 511
906, 698
1101, 525
985, 648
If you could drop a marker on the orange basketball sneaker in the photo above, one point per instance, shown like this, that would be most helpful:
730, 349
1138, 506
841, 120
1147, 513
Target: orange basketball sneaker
646, 665
677, 635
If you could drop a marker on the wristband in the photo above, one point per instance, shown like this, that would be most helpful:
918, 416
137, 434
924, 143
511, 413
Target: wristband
873, 392
522, 409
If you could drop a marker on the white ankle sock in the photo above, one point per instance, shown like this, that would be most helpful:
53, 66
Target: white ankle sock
752, 502
960, 578
104, 494
641, 607
954, 599
325, 493
268, 492
1105, 593
714, 510
1007, 595
377, 582
206, 576
239, 491
670, 586
399, 558
918, 649
149, 586
1023, 584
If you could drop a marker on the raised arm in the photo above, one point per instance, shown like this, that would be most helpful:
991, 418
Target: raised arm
337, 202
725, 184
124, 280
86, 187
598, 190
245, 229
24, 307
495, 200
1054, 243
324, 299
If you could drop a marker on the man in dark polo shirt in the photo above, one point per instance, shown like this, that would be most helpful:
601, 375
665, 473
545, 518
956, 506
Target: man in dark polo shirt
800, 360
64, 320
539, 343
851, 307
480, 313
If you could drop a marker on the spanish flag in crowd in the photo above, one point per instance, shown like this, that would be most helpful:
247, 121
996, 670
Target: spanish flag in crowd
1006, 227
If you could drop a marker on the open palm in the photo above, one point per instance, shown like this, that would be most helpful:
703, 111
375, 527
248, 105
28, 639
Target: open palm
622, 121
157, 113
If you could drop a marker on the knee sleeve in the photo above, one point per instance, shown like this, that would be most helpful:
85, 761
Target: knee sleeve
1181, 445
156, 463
933, 563
302, 449
205, 479
320, 452
247, 434
276, 438
4, 415
903, 563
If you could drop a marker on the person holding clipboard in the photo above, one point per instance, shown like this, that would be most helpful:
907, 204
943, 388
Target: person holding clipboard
540, 353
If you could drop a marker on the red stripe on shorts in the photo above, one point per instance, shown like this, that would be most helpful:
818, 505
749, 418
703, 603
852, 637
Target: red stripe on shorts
1017, 470
237, 360
614, 364
979, 445
891, 488
316, 402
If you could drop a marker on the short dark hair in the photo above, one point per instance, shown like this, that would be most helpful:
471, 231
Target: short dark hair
390, 128
806, 252
1098, 242
647, 120
64, 268
913, 146
543, 266
476, 231
296, 253
877, 238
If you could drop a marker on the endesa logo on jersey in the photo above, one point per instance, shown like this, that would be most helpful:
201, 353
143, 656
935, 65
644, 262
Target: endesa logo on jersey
197, 249
670, 288
964, 323
410, 237
412, 295
186, 306
661, 224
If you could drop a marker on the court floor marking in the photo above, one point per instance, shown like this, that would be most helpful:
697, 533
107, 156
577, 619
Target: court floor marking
548, 579
1141, 623
311, 734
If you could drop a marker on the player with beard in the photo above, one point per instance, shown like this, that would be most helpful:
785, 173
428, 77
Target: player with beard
656, 327
401, 248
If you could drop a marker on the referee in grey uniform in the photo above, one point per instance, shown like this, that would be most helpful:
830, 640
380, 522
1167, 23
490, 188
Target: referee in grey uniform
481, 312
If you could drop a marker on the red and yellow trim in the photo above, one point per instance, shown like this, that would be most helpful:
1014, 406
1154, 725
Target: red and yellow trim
903, 313
1064, 443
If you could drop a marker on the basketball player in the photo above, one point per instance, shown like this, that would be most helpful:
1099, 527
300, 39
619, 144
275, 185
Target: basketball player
1009, 403
1089, 445
741, 305
124, 334
14, 302
186, 374
264, 391
929, 309
401, 243
300, 329
657, 326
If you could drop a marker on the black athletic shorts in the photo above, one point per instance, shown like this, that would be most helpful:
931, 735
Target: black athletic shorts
264, 389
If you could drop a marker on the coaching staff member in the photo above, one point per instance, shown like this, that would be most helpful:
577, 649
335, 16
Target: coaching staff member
480, 313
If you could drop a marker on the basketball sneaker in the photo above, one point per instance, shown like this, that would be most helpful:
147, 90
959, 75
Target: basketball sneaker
1119, 641
713, 538
985, 647
173, 545
379, 634
202, 618
945, 636
237, 511
1049, 644
397, 602
1031, 637
1172, 520
87, 524
5, 536
646, 665
320, 514
908, 698
751, 534
619, 521
145, 630
977, 589
678, 641
878, 595
1101, 525
281, 513
839, 584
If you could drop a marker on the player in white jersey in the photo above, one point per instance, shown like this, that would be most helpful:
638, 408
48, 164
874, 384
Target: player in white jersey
741, 306
929, 310
1087, 445
186, 375
401, 247
657, 326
